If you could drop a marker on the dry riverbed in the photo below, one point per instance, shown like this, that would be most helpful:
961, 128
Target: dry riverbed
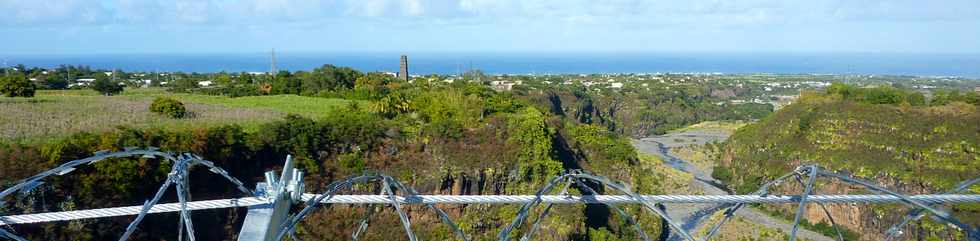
685, 150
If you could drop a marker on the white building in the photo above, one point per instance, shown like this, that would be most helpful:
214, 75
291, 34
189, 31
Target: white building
501, 85
81, 82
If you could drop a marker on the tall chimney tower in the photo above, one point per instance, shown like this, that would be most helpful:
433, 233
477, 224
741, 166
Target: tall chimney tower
403, 68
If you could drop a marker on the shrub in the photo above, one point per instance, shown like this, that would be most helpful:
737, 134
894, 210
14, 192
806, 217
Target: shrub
169, 107
16, 86
876, 95
105, 86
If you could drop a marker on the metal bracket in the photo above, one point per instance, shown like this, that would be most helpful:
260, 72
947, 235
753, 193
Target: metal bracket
263, 221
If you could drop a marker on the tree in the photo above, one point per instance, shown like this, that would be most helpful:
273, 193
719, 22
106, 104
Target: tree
105, 86
391, 105
329, 77
844, 90
529, 131
55, 82
476, 75
16, 85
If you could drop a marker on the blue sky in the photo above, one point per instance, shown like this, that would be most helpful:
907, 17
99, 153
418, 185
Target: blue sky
220, 26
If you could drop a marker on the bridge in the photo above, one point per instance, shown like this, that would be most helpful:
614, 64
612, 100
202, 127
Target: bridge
270, 203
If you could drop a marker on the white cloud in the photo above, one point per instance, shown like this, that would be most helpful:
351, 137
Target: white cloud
413, 7
649, 12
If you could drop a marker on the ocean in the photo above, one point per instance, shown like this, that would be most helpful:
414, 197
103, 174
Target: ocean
963, 65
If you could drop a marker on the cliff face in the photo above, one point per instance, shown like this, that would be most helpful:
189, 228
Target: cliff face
868, 222
911, 150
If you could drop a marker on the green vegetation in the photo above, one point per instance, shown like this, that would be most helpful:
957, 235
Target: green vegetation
16, 86
741, 229
821, 227
168, 107
876, 95
714, 126
945, 97
529, 131
647, 111
436, 136
459, 135
894, 142
671, 180
933, 146
105, 86
54, 115
289, 104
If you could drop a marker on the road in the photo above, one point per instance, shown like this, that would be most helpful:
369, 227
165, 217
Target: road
693, 215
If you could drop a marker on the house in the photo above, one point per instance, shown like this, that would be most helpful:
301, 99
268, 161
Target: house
616, 85
81, 82
205, 83
500, 85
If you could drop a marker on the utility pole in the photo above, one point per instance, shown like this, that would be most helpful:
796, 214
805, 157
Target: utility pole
272, 64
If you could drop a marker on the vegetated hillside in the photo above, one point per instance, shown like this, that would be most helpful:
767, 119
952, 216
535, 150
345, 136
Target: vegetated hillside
641, 112
463, 140
913, 149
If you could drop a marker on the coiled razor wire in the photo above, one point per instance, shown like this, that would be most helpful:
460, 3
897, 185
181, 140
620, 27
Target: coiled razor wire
628, 219
917, 214
622, 214
813, 172
178, 177
181, 164
547, 209
971, 233
833, 223
576, 175
389, 184
763, 191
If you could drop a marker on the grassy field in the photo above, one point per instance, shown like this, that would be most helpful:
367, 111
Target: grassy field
739, 228
722, 126
671, 180
289, 104
59, 113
